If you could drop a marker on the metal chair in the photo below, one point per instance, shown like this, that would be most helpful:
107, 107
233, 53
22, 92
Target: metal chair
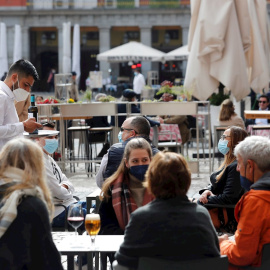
146, 263
220, 263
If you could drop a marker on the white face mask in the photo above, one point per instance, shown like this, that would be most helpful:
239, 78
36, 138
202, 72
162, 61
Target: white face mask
20, 94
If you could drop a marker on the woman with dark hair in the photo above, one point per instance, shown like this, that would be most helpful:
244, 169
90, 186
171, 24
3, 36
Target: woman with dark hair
123, 192
170, 227
227, 115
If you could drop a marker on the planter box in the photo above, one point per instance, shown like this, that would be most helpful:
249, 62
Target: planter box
193, 166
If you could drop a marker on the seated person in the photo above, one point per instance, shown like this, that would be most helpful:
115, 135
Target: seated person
227, 115
252, 211
61, 188
130, 96
26, 209
170, 227
225, 187
263, 103
132, 127
181, 120
124, 192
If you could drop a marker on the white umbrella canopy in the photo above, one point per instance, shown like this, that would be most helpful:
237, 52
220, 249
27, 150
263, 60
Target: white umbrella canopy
181, 53
3, 49
17, 49
224, 38
131, 51
66, 48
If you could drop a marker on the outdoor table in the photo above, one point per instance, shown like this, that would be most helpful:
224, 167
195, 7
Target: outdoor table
259, 130
256, 114
167, 132
68, 244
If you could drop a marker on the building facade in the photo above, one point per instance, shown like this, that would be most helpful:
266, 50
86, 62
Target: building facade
104, 24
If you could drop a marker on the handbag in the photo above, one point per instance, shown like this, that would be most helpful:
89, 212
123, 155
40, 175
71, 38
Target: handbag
219, 217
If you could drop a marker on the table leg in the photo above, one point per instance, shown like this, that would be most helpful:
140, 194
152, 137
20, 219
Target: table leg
70, 262
90, 261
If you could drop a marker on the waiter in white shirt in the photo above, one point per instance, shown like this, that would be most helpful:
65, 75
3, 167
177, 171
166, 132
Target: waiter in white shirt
138, 83
20, 78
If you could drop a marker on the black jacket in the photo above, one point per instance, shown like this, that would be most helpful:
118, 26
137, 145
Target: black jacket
27, 243
173, 229
228, 189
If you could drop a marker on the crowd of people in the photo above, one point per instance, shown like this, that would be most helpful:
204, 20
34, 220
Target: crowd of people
143, 191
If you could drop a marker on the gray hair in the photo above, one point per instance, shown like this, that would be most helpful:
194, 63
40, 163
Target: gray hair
256, 148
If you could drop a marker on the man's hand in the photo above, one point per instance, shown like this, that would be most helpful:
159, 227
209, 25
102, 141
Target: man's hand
30, 125
223, 237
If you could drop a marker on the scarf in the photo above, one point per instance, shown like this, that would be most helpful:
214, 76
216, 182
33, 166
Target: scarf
8, 206
122, 200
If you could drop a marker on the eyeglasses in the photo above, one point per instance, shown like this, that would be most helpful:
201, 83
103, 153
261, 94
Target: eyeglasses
223, 137
260, 101
128, 129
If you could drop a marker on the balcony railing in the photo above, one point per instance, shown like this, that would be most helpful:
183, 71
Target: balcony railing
104, 4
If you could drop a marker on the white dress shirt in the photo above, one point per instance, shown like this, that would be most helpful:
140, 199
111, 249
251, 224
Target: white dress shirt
261, 121
10, 127
138, 83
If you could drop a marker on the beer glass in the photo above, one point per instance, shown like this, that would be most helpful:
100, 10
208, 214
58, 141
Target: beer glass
92, 226
75, 216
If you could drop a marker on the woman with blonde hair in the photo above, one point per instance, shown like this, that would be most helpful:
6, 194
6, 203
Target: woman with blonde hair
227, 115
25, 209
170, 227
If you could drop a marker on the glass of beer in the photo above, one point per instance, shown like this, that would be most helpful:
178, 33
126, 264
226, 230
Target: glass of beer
92, 226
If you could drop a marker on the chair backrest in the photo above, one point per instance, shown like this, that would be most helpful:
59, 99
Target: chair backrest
220, 263
265, 257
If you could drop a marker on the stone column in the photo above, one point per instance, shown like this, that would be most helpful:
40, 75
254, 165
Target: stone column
25, 41
184, 42
146, 39
104, 45
10, 44
60, 48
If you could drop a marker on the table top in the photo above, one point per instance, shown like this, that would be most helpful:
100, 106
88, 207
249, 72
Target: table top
256, 114
41, 133
68, 242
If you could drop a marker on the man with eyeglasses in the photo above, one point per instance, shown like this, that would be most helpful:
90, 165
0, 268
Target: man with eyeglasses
132, 127
61, 188
263, 106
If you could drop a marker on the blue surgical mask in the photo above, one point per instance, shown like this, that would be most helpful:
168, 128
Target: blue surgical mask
135, 73
50, 145
245, 183
223, 147
120, 136
138, 171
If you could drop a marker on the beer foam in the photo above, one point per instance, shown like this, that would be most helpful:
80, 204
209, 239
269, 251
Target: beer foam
92, 217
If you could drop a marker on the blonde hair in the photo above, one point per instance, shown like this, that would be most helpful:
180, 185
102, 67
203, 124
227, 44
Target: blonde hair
168, 176
134, 143
237, 134
25, 155
226, 110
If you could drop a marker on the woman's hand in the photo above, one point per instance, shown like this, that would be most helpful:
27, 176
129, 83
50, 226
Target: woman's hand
204, 197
